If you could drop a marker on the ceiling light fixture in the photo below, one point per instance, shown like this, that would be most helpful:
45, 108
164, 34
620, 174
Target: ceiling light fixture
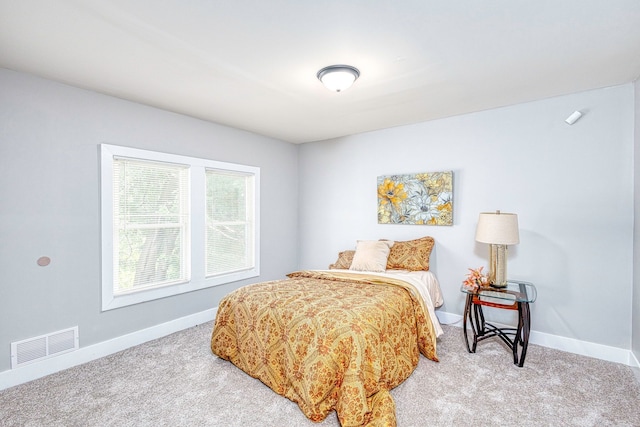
338, 77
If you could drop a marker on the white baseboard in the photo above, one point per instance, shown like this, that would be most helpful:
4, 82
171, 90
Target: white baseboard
46, 367
449, 318
571, 345
584, 348
36, 370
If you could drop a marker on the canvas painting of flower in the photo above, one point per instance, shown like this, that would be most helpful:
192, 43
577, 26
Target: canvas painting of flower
423, 198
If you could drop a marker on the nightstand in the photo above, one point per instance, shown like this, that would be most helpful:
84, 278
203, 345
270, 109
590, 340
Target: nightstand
516, 296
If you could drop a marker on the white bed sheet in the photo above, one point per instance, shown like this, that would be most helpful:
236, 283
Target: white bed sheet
425, 282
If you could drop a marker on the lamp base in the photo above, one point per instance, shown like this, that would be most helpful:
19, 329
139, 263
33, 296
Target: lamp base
498, 266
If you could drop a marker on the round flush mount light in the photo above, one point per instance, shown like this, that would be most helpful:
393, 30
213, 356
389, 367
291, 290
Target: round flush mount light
338, 77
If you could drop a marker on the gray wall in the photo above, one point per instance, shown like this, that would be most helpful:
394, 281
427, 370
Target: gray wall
635, 346
572, 187
49, 193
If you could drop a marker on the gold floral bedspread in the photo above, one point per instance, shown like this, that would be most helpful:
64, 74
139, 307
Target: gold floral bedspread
327, 341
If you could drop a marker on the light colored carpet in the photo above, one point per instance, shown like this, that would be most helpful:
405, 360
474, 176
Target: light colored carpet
176, 381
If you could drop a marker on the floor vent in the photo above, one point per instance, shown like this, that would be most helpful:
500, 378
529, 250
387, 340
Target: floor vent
43, 347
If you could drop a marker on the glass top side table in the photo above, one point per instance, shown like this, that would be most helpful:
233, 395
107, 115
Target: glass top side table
515, 296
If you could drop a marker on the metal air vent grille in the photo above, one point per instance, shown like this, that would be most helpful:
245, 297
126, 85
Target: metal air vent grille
43, 347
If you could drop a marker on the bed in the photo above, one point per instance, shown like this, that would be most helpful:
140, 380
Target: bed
336, 339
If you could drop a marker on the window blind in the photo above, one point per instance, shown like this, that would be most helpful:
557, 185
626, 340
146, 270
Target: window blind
151, 224
229, 222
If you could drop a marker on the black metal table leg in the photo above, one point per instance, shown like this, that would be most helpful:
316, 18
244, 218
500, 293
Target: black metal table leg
523, 335
465, 318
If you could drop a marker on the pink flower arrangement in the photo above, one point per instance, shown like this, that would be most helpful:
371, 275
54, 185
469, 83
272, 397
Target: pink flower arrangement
475, 279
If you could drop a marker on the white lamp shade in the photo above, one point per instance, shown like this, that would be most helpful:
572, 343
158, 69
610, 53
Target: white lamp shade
498, 228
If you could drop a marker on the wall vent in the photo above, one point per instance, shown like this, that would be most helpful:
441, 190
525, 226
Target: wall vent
43, 347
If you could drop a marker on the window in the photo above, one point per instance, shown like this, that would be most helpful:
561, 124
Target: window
150, 224
229, 222
173, 224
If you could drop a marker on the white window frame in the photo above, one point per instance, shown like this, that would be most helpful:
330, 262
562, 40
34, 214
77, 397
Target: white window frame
197, 196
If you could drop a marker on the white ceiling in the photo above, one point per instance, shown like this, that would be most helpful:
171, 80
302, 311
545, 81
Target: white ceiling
252, 64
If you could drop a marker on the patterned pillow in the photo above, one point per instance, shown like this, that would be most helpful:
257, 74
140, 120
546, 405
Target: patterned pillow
345, 258
411, 255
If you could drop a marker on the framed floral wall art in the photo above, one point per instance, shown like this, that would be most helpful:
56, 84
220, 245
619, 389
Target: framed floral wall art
423, 198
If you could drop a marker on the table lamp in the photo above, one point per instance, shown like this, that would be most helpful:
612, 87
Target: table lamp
498, 230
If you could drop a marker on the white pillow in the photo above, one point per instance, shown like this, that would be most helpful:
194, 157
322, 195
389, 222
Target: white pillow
371, 255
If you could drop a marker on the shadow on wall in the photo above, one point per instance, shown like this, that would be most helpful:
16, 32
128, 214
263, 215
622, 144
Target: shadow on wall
538, 260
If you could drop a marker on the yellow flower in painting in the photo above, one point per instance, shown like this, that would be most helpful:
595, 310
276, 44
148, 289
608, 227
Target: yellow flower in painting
436, 182
384, 215
390, 192
445, 207
445, 218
